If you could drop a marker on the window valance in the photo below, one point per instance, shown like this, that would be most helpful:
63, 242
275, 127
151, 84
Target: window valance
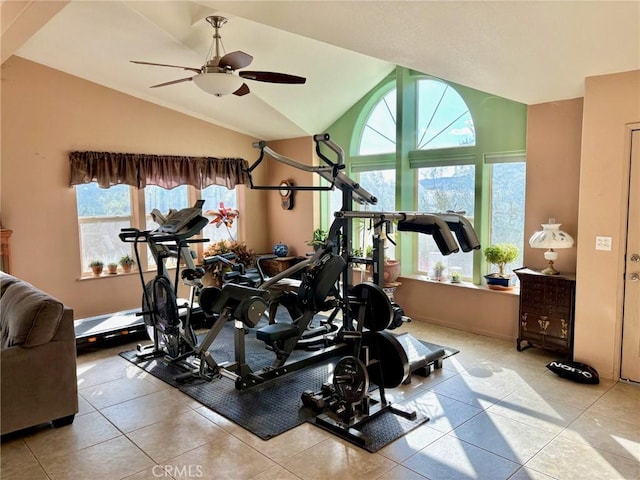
166, 171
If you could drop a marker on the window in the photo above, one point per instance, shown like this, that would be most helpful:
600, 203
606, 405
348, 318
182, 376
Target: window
103, 212
442, 189
446, 163
379, 133
212, 197
163, 200
443, 117
382, 183
507, 204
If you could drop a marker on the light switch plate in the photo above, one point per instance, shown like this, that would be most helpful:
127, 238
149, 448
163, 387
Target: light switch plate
603, 243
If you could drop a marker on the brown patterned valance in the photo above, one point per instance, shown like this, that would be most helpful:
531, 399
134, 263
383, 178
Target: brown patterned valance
140, 170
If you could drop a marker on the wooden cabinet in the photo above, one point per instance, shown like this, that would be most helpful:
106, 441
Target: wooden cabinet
274, 265
546, 316
5, 252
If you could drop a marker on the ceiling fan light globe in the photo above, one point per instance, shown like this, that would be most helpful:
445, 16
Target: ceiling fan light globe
218, 83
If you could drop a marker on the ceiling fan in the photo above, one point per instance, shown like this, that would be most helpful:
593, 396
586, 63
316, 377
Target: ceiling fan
217, 76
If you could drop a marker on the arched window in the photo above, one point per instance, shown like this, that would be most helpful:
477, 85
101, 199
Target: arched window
443, 118
444, 163
379, 132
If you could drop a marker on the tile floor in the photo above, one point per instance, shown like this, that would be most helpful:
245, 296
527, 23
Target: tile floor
495, 414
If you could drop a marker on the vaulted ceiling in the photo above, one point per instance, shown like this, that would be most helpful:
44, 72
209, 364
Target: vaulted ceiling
527, 51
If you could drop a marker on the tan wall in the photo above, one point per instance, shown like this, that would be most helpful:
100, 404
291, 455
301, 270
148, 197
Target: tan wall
293, 227
610, 102
554, 133
46, 114
472, 309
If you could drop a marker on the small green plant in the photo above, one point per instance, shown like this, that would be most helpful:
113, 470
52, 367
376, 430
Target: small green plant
96, 267
456, 274
111, 265
438, 269
126, 260
319, 238
500, 254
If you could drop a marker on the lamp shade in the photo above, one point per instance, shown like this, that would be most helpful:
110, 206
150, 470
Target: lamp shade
551, 237
218, 83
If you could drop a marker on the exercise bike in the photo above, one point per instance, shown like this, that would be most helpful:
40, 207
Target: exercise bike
167, 323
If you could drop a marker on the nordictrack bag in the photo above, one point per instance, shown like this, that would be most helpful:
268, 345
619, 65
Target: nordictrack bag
576, 371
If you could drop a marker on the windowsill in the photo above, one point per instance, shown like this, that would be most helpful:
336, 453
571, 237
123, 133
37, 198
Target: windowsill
468, 285
107, 275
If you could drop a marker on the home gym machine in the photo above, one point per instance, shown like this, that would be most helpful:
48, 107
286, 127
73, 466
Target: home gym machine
344, 404
245, 306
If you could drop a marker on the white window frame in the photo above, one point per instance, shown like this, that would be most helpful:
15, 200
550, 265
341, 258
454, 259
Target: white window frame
137, 219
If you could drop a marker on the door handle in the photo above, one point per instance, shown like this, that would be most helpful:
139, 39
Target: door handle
635, 258
634, 277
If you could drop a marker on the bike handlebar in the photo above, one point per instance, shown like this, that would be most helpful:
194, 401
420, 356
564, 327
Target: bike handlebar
135, 235
221, 258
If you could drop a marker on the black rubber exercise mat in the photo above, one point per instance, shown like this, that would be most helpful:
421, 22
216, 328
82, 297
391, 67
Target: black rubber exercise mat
275, 406
268, 409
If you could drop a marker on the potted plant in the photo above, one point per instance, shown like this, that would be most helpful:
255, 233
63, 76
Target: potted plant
112, 268
126, 262
319, 239
96, 267
438, 270
455, 273
214, 274
500, 254
390, 268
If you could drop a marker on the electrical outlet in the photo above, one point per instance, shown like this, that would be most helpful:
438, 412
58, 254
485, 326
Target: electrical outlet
603, 243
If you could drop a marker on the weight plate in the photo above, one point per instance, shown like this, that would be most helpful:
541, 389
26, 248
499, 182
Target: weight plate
378, 312
392, 365
350, 379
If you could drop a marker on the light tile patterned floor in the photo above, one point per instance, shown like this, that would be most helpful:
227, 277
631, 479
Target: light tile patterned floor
495, 414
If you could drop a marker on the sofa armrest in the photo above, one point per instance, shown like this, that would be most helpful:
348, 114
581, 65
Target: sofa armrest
39, 384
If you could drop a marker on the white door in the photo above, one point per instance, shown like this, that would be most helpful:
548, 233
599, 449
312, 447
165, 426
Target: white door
630, 367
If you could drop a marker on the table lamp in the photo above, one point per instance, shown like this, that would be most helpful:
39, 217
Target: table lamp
551, 238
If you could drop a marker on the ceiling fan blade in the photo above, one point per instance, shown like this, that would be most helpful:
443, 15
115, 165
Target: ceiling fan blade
243, 90
188, 79
235, 60
197, 70
272, 77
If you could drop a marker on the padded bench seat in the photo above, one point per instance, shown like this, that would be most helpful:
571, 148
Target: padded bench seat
276, 332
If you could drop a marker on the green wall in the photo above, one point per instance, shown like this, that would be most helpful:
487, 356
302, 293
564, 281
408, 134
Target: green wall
500, 127
500, 124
